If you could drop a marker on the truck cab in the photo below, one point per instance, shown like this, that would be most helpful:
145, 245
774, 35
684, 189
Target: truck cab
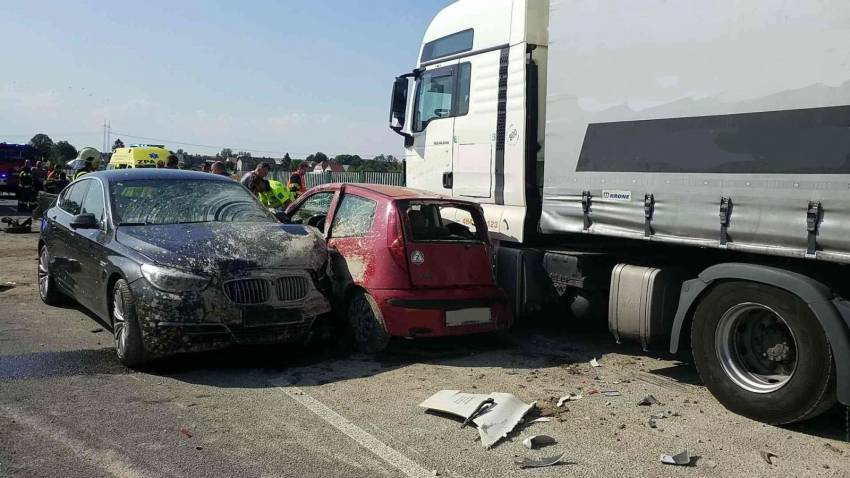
469, 110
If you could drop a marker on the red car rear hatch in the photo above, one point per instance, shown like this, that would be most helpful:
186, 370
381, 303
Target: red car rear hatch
446, 243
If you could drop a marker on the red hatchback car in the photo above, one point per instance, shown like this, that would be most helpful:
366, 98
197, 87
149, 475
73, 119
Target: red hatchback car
404, 262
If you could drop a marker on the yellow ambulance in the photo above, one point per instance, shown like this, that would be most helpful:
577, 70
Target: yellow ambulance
138, 156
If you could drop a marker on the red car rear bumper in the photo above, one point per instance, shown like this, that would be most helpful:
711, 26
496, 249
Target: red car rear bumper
422, 312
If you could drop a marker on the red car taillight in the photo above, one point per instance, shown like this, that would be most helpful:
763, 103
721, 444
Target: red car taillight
395, 240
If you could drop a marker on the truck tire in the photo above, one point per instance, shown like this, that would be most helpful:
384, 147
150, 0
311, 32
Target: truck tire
762, 353
125, 326
368, 330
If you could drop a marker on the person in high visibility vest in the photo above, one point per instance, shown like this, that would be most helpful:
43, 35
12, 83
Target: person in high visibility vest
275, 195
89, 167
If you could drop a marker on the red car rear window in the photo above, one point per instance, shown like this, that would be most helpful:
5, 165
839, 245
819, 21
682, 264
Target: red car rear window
443, 221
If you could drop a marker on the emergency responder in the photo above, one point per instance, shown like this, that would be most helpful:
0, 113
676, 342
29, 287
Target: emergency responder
88, 167
218, 168
276, 195
26, 187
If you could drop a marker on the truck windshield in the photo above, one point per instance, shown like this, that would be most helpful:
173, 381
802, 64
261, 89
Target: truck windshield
444, 222
142, 202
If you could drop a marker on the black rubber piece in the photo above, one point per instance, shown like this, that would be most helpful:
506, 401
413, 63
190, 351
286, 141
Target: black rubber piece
368, 330
134, 350
811, 389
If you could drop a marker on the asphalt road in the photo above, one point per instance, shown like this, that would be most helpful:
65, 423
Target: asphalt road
67, 408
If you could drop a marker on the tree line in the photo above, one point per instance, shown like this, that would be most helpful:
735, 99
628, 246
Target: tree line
61, 152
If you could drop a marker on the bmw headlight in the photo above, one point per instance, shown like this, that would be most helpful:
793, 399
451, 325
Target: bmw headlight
173, 280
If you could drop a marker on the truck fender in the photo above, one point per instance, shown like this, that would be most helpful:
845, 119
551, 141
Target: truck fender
832, 312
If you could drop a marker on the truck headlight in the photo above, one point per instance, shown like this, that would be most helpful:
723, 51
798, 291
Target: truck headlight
173, 280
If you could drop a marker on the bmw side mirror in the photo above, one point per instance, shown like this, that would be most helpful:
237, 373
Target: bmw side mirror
85, 221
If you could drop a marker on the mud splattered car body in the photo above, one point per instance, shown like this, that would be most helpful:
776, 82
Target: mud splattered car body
200, 262
405, 262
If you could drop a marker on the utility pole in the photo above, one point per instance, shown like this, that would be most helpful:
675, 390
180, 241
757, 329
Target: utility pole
107, 136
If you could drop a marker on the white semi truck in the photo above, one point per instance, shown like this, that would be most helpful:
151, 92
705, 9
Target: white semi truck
682, 168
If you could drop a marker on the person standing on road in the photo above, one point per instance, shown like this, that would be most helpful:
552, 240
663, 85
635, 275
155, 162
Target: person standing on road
218, 168
88, 166
172, 162
205, 167
259, 173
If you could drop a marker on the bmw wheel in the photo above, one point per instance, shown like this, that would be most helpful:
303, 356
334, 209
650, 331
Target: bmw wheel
47, 289
125, 326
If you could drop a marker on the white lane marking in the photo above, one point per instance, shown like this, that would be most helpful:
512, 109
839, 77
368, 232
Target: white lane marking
107, 460
361, 436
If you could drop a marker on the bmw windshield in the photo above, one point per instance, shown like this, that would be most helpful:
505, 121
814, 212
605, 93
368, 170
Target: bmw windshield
142, 202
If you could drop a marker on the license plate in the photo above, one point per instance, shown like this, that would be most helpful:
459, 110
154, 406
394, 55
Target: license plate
259, 317
478, 315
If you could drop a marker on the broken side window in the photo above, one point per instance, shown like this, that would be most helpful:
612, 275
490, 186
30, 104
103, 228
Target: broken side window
354, 217
315, 205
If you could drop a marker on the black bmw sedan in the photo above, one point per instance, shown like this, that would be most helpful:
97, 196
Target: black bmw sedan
180, 261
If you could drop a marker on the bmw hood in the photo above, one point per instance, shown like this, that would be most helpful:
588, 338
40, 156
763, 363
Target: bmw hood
222, 248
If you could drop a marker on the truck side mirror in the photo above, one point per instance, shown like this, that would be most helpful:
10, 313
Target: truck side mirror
398, 105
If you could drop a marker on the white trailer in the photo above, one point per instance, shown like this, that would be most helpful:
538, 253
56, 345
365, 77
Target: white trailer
684, 167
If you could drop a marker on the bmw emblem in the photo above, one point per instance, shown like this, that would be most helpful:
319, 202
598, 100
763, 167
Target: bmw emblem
417, 257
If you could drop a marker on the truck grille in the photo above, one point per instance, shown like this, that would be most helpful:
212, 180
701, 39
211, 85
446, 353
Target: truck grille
247, 291
291, 288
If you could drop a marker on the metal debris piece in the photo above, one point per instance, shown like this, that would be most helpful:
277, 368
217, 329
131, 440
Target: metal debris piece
537, 441
660, 416
648, 400
652, 423
594, 362
568, 398
611, 393
768, 456
548, 461
494, 423
8, 285
679, 459
97, 330
541, 420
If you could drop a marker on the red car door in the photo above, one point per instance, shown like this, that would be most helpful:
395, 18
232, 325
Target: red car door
352, 239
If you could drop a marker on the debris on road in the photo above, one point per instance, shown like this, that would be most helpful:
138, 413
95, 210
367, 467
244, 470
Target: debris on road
832, 448
611, 393
595, 363
648, 400
679, 459
185, 431
494, 423
568, 398
538, 441
768, 456
548, 461
97, 330
541, 420
17, 226
8, 285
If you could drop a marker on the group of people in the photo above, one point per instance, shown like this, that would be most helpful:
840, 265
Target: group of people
39, 177
272, 193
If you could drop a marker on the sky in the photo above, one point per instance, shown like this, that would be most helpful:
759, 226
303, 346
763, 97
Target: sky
263, 76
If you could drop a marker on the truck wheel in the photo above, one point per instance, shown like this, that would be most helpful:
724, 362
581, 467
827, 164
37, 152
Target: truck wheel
762, 353
125, 326
47, 289
367, 324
